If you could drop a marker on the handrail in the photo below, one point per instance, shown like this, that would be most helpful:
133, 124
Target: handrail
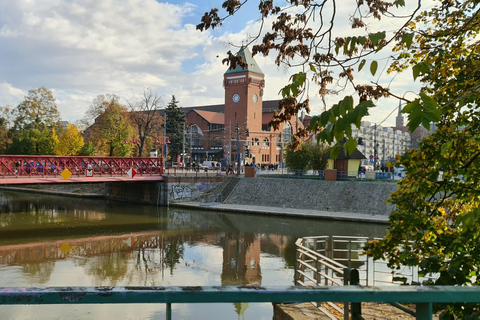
422, 296
16, 166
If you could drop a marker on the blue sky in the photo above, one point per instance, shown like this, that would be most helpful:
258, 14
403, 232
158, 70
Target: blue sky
81, 49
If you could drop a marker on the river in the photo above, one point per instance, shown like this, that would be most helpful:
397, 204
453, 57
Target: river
48, 240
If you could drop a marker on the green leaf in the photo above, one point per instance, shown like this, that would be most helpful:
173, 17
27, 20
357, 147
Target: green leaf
350, 146
313, 123
335, 110
420, 68
408, 39
312, 67
324, 118
362, 63
353, 43
294, 90
375, 37
432, 109
362, 40
373, 67
446, 147
411, 106
345, 45
334, 152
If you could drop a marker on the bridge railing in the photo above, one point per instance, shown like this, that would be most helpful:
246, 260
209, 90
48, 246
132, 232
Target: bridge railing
422, 296
12, 166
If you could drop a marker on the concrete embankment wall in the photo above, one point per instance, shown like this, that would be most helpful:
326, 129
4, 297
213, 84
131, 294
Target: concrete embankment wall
338, 196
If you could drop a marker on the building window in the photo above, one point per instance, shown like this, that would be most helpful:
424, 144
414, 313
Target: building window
216, 142
287, 132
195, 136
265, 143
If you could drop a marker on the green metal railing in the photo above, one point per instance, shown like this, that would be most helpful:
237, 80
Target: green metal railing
422, 296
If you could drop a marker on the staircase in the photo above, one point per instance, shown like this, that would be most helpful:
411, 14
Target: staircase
226, 190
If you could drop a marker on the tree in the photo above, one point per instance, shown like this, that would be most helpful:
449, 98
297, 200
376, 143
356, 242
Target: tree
116, 132
436, 221
38, 111
34, 142
110, 132
175, 128
146, 117
5, 133
309, 156
88, 150
299, 159
70, 142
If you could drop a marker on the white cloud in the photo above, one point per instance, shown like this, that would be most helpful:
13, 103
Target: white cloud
81, 49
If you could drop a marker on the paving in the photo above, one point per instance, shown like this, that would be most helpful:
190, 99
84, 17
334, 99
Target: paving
280, 211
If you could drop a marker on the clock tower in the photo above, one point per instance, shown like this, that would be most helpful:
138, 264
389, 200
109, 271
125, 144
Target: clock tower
243, 98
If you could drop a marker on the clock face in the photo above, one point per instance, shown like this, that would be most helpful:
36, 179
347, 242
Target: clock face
236, 97
255, 98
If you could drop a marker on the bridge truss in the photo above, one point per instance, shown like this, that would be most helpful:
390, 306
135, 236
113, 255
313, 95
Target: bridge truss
12, 166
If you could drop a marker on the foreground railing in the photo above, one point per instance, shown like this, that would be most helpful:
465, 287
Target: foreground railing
422, 297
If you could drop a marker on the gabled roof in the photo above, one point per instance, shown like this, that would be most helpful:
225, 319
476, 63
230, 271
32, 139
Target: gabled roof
248, 58
211, 117
356, 154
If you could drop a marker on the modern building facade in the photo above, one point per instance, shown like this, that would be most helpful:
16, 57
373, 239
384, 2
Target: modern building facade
381, 144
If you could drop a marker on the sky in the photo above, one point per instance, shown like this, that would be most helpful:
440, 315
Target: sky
82, 49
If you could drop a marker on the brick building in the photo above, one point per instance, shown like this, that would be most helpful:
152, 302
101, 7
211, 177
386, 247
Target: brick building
239, 129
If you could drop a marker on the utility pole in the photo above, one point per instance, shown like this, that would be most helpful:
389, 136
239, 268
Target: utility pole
238, 149
229, 159
183, 152
164, 146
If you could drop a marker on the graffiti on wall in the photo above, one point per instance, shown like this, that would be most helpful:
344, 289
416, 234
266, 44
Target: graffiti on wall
181, 192
205, 186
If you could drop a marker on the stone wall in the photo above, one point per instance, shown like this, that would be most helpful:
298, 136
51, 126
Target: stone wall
145, 192
181, 189
338, 196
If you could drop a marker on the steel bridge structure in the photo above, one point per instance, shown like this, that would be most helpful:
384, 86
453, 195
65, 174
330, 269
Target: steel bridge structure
25, 166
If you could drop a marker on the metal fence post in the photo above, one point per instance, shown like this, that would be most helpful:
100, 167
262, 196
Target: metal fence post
346, 311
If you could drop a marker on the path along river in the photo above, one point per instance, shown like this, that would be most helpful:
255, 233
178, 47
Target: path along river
48, 240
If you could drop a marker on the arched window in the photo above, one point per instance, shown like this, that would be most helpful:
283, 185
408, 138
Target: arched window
216, 142
265, 143
279, 142
287, 132
195, 136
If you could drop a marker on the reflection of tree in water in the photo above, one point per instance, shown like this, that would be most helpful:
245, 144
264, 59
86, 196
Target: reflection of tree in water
173, 251
140, 264
108, 269
39, 272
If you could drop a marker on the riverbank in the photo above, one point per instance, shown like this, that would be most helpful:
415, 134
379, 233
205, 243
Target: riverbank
290, 212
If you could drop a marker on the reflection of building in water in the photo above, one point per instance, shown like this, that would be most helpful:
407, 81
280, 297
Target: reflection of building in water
241, 259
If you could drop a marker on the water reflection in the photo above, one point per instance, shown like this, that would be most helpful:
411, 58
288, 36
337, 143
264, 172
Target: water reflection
65, 241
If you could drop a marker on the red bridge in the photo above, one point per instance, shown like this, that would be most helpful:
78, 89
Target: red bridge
80, 168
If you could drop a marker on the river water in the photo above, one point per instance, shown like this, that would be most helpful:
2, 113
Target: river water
48, 240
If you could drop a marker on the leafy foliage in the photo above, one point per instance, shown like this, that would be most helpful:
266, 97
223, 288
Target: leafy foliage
436, 221
38, 111
70, 142
88, 150
308, 156
111, 132
34, 142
